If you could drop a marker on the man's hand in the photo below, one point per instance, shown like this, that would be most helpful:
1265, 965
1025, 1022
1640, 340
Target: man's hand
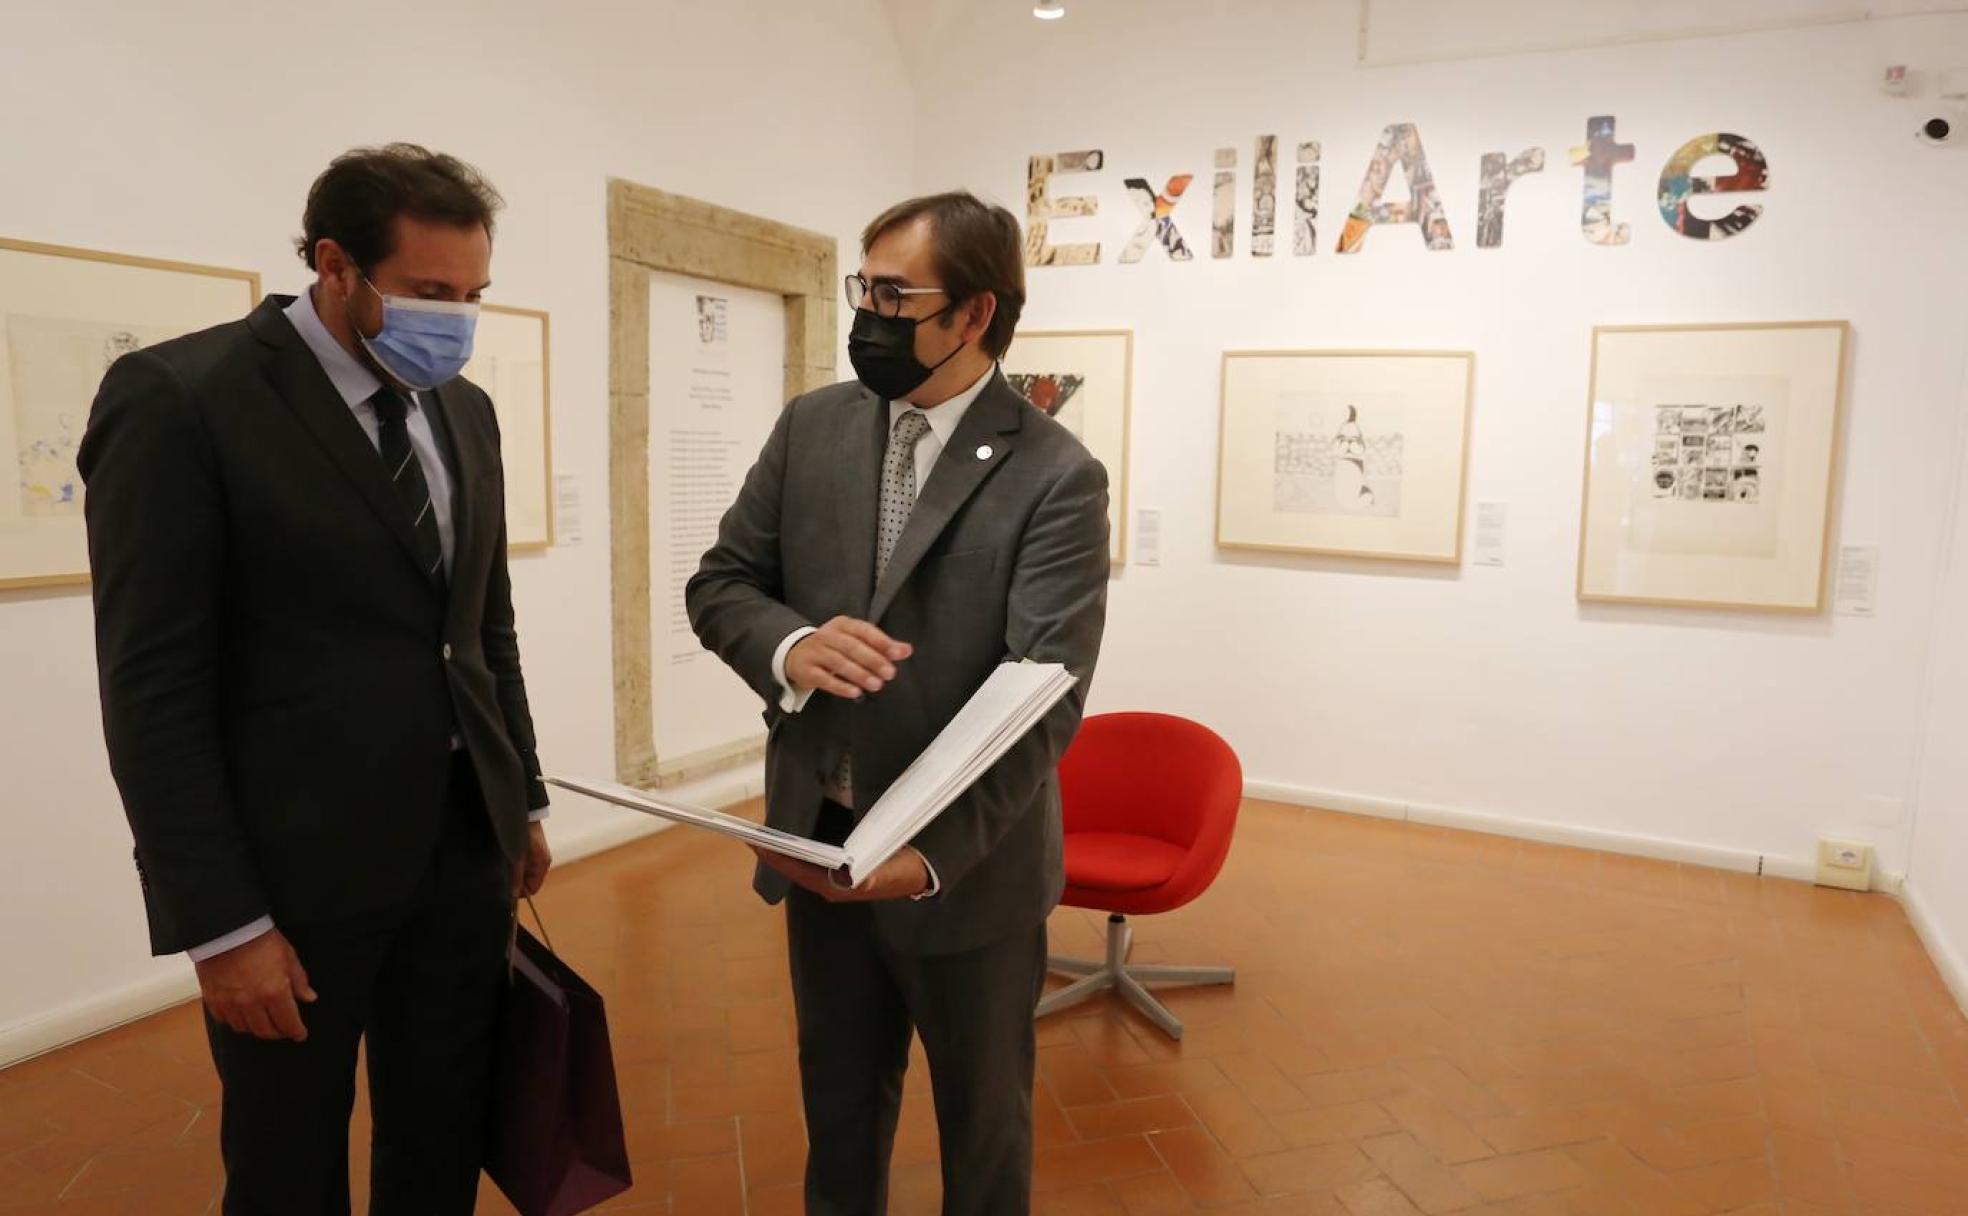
530, 875
252, 988
845, 657
899, 877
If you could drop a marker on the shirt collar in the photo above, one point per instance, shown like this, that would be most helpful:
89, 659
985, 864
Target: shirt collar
945, 418
354, 382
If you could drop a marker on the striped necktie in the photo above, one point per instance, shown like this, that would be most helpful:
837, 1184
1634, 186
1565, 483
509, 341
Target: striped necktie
406, 474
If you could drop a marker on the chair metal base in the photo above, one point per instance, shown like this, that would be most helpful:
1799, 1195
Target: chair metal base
1130, 981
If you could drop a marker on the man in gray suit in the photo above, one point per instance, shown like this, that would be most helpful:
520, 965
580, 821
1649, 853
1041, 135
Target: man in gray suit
899, 538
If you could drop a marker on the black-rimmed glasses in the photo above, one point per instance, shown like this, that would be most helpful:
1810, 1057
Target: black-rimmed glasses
885, 298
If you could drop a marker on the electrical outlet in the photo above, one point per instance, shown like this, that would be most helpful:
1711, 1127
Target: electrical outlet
1846, 864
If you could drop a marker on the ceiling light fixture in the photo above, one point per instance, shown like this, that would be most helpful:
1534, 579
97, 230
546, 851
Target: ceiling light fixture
1049, 10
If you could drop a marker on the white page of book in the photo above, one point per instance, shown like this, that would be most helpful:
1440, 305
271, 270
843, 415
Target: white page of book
1010, 703
717, 821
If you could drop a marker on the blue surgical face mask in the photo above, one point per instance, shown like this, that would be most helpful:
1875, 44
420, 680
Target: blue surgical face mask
423, 343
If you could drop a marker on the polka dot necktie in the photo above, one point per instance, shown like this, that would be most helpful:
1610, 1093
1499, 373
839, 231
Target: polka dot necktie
898, 499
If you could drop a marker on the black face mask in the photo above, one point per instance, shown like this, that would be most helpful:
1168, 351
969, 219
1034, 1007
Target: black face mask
883, 352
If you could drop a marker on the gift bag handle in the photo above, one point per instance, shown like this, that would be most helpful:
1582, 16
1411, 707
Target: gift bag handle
512, 935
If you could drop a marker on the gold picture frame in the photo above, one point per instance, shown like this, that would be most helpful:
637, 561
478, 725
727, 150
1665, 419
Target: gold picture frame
1374, 514
66, 313
525, 436
1729, 526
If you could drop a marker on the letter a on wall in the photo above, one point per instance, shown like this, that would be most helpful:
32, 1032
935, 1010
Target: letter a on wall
1400, 142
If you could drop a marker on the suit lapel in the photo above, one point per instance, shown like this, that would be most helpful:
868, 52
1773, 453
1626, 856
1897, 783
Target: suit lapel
454, 431
861, 441
301, 383
980, 444
451, 423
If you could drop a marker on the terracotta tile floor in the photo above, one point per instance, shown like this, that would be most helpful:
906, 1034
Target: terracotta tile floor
1425, 1021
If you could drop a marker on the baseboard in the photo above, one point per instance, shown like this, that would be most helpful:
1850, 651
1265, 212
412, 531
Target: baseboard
1803, 869
95, 1014
1947, 959
92, 1015
1624, 843
1326, 800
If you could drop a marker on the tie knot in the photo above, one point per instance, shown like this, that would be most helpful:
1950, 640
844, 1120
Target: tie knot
910, 427
389, 405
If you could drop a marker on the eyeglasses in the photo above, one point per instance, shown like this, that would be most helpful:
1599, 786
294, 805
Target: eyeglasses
885, 298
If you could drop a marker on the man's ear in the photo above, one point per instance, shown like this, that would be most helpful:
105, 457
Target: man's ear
978, 314
330, 260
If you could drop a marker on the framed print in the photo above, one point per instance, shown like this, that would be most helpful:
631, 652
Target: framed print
1085, 380
511, 362
65, 316
1708, 464
1354, 453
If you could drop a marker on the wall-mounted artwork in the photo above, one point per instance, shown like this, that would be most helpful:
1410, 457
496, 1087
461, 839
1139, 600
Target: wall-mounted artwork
1157, 219
65, 316
1400, 144
1357, 453
1042, 206
1679, 181
510, 361
1085, 381
1708, 464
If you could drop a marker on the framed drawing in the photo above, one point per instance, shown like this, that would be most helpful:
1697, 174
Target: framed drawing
1353, 453
65, 316
511, 362
1708, 464
1085, 380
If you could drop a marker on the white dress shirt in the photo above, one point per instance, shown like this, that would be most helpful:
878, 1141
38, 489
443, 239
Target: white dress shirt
356, 384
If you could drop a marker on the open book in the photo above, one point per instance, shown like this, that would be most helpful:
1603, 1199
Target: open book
1010, 703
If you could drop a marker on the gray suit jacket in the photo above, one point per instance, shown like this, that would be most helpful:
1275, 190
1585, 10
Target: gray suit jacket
1004, 557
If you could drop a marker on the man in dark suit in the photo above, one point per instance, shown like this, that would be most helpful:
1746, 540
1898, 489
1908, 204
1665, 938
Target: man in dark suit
898, 539
312, 694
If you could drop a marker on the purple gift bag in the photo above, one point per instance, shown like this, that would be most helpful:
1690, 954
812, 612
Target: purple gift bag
555, 1145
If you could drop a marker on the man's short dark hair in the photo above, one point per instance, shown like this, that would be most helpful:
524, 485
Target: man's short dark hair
976, 248
355, 202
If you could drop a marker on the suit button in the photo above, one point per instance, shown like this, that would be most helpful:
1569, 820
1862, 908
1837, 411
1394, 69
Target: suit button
447, 652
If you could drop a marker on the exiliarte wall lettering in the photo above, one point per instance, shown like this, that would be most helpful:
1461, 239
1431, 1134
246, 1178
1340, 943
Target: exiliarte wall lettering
1381, 202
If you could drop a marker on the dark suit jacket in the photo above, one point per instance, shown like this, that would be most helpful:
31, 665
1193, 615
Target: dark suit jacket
1005, 556
280, 682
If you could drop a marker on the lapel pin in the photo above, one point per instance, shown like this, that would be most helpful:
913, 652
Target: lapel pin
984, 452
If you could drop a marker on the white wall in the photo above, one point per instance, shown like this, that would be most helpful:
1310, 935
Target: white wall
1490, 690
1935, 893
191, 131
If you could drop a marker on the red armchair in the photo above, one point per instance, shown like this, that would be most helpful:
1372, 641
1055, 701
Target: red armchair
1149, 803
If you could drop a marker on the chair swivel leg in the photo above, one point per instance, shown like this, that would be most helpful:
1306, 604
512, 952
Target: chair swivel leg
1131, 981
